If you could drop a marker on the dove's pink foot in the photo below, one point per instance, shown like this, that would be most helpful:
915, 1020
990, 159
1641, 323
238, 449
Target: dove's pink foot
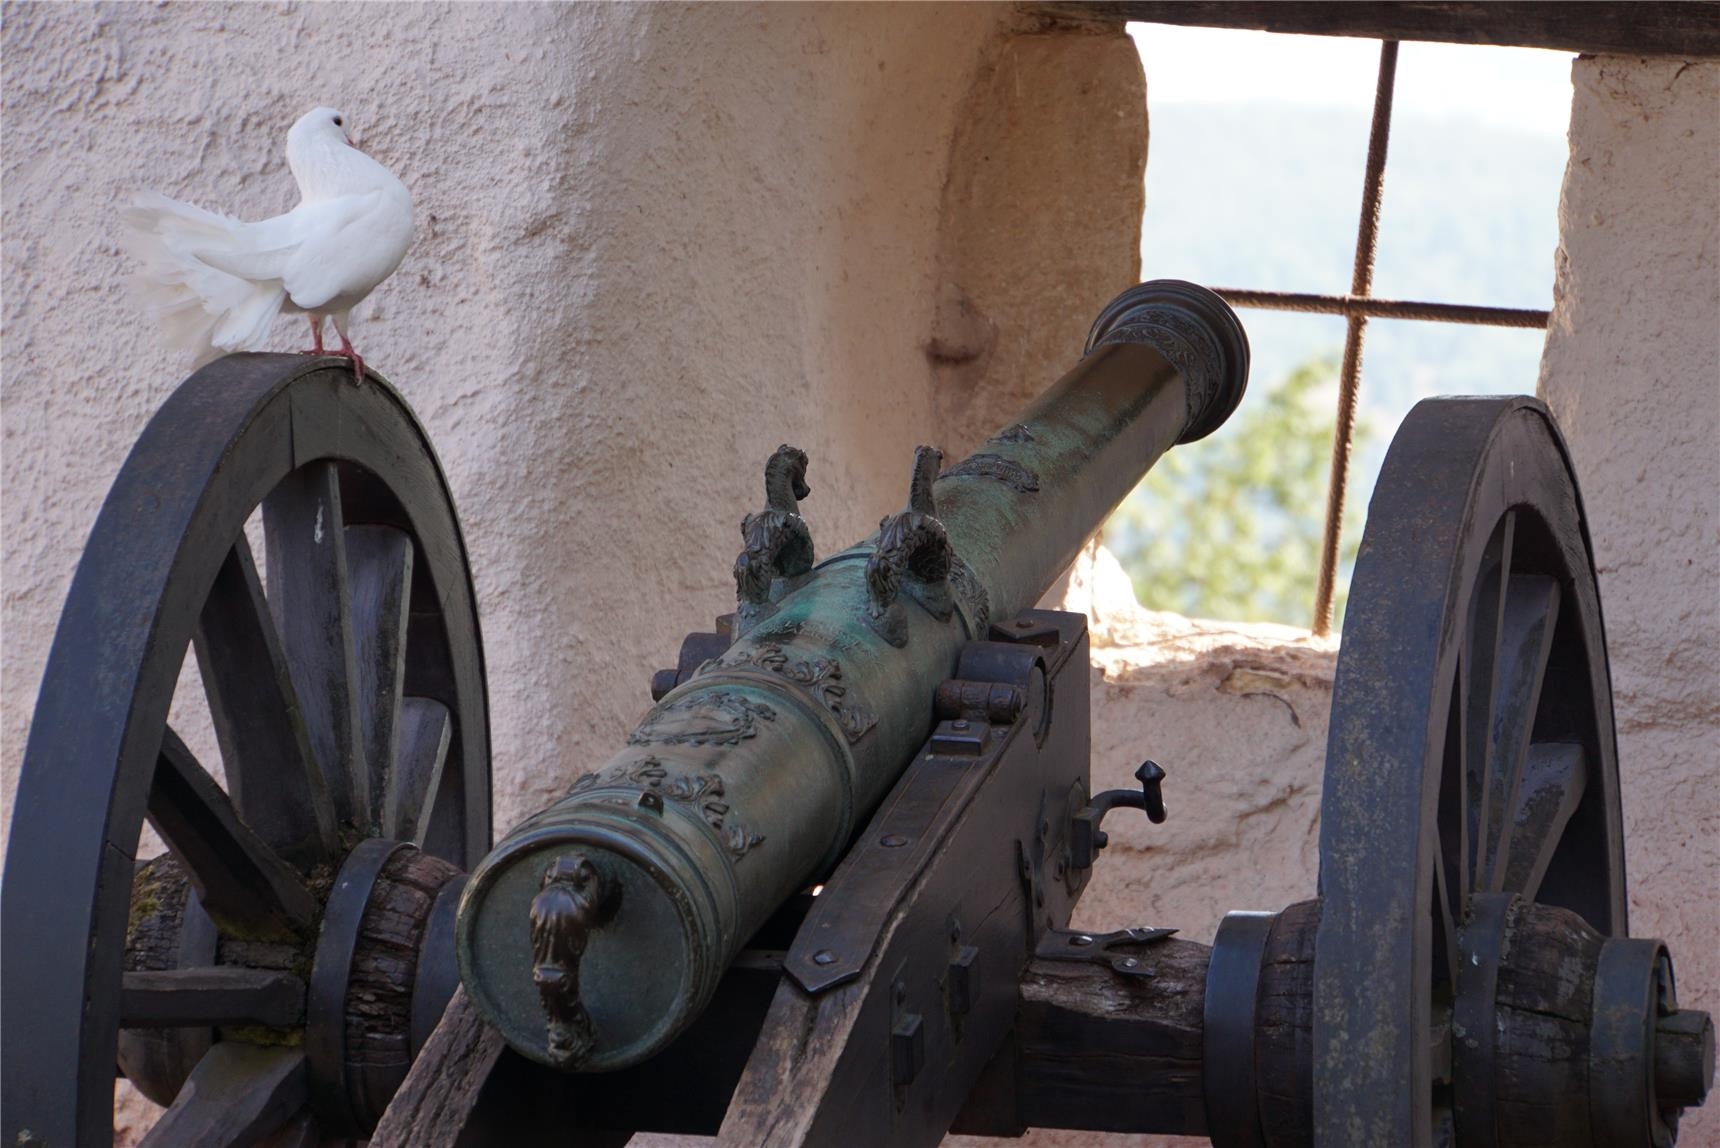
316, 337
346, 352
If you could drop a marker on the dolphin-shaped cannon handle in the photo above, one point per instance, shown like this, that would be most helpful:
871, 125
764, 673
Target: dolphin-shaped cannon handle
575, 899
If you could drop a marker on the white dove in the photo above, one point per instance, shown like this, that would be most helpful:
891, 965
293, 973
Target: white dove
217, 282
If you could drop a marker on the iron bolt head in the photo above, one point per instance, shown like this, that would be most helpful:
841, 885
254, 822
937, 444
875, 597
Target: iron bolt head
824, 957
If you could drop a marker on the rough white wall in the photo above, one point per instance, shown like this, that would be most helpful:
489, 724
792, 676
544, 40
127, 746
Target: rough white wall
653, 242
1236, 713
1632, 370
1043, 185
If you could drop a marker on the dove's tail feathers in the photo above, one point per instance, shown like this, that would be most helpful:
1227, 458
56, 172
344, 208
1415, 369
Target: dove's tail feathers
204, 309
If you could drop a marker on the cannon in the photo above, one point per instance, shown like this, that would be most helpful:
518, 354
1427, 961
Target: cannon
822, 893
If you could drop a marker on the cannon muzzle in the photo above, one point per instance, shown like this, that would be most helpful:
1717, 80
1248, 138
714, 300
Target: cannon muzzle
598, 929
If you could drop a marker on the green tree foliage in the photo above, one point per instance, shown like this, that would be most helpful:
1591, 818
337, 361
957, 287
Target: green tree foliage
1230, 527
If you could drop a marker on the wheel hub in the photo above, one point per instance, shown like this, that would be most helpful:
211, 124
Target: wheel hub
380, 966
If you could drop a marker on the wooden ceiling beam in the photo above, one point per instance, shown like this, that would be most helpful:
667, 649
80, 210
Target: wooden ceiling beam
1688, 29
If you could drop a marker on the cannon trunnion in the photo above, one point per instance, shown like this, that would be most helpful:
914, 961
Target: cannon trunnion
822, 895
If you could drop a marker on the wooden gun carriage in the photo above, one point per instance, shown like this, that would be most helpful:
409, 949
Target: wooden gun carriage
822, 894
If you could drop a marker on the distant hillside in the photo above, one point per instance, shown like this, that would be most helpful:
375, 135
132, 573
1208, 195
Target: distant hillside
1266, 196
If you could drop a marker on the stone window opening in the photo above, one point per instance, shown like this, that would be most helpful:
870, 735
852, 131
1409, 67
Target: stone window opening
1360, 303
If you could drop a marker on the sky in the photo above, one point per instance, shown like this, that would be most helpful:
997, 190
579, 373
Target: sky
1522, 88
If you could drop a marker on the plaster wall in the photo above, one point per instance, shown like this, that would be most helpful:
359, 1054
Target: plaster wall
1041, 194
1632, 371
652, 243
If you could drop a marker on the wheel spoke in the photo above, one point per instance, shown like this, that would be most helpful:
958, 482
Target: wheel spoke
211, 996
237, 1094
379, 573
447, 817
1447, 960
304, 529
1444, 1125
425, 731
1453, 825
1439, 1046
1479, 660
1554, 781
1526, 638
238, 878
255, 709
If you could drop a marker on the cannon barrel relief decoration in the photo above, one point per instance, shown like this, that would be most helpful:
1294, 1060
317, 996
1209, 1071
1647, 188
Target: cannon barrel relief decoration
894, 725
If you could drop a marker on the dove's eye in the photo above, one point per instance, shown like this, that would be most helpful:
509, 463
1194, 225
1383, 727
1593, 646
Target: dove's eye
337, 122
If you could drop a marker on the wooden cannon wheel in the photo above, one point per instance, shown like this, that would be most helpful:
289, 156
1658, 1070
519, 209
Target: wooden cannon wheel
1471, 776
273, 974
1465, 975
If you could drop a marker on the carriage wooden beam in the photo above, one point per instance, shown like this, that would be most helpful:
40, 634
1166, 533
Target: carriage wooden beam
1684, 29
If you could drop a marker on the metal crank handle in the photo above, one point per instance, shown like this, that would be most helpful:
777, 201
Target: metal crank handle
1086, 837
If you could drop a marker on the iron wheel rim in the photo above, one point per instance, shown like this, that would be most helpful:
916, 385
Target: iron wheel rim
1410, 816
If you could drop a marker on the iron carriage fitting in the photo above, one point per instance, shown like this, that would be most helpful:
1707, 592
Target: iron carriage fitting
895, 726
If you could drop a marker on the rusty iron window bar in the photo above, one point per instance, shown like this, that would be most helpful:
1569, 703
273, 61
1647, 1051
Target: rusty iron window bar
1366, 305
1357, 307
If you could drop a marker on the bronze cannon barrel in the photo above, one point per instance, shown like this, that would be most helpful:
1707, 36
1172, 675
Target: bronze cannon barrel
599, 927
